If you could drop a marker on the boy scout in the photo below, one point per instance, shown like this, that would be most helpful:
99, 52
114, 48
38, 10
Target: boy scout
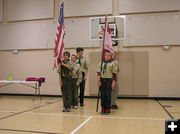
115, 90
77, 78
84, 65
107, 76
64, 70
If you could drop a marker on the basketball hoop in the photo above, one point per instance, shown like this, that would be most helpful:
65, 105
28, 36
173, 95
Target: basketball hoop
101, 33
117, 25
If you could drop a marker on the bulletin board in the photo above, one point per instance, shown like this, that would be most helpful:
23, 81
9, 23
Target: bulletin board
87, 7
134, 6
23, 36
18, 10
153, 29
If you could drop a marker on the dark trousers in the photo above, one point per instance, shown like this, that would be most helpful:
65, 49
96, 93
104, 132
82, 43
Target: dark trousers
106, 89
82, 89
66, 90
75, 92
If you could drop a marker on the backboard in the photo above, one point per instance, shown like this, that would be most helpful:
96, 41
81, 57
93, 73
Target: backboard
117, 25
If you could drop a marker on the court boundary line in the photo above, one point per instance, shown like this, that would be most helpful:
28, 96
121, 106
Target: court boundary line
164, 109
94, 116
99, 116
81, 125
28, 110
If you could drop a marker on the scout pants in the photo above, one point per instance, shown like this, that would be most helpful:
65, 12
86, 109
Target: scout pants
114, 95
106, 89
66, 90
75, 92
82, 88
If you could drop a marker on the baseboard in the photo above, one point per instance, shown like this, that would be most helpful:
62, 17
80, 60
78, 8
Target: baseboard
120, 97
15, 94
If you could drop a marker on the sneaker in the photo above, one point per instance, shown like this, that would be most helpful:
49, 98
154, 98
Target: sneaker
75, 107
64, 110
68, 110
114, 106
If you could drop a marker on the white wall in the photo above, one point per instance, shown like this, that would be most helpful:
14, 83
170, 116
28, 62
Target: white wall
1, 10
164, 73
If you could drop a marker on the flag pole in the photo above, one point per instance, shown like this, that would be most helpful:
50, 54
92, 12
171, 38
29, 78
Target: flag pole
97, 106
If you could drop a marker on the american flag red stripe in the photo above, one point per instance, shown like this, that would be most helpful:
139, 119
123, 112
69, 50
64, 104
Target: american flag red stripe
59, 42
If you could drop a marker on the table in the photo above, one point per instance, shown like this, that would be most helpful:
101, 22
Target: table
22, 82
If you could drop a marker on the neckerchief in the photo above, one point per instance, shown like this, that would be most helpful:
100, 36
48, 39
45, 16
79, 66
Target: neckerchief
64, 70
66, 61
79, 60
105, 65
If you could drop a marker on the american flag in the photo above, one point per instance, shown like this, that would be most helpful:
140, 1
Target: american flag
107, 39
59, 42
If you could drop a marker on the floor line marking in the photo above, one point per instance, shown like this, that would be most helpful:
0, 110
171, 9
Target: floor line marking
164, 109
81, 125
111, 117
130, 118
20, 112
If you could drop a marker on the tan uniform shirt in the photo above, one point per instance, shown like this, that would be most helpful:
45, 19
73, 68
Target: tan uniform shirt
107, 72
83, 63
76, 72
116, 64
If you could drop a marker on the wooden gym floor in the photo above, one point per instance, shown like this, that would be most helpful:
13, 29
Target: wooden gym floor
22, 115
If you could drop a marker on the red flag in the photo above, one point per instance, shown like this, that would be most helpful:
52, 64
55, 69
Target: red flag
108, 40
59, 42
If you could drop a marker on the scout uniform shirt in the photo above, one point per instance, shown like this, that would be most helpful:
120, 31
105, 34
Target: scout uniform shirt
116, 64
83, 63
108, 69
63, 71
76, 71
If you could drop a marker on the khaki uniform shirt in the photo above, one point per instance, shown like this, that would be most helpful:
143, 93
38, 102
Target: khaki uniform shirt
107, 72
116, 64
76, 72
83, 63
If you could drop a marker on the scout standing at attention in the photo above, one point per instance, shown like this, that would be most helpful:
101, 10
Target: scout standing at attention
107, 76
115, 90
77, 78
84, 65
64, 70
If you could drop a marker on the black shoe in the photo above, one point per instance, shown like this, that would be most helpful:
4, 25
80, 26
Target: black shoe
102, 113
107, 113
114, 106
64, 110
81, 105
